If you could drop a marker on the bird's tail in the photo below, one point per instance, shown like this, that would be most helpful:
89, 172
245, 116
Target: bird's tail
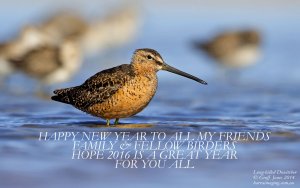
64, 95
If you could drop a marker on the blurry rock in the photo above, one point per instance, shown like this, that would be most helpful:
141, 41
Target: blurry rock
233, 49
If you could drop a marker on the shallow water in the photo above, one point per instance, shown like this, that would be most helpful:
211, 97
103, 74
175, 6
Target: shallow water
264, 97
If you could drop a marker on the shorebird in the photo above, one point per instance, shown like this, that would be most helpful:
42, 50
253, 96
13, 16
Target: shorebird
233, 49
51, 51
114, 30
31, 42
34, 54
52, 32
63, 25
28, 39
50, 64
122, 91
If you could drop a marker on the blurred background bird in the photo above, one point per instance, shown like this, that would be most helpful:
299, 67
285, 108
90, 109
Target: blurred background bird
65, 24
53, 50
234, 49
51, 63
114, 30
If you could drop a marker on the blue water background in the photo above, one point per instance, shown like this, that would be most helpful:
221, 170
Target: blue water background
264, 97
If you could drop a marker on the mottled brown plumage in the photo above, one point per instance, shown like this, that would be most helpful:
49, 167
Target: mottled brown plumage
234, 49
122, 91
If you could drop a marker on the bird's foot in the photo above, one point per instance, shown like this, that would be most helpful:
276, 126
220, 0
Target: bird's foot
116, 121
107, 122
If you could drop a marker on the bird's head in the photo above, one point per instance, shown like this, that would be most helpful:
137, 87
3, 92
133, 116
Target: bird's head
150, 60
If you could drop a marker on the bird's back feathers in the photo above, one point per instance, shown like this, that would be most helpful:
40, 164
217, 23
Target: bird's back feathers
96, 89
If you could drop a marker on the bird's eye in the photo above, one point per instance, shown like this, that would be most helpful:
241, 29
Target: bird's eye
149, 57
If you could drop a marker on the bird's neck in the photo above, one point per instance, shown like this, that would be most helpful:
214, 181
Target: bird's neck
145, 70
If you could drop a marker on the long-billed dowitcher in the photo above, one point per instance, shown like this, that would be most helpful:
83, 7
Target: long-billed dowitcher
29, 38
233, 49
63, 25
46, 52
47, 62
122, 91
114, 30
50, 64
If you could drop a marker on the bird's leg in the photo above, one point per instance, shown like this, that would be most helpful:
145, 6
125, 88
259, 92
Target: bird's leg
116, 121
107, 122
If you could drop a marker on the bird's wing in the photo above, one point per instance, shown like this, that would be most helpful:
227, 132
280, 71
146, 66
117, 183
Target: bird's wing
229, 40
224, 44
97, 88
